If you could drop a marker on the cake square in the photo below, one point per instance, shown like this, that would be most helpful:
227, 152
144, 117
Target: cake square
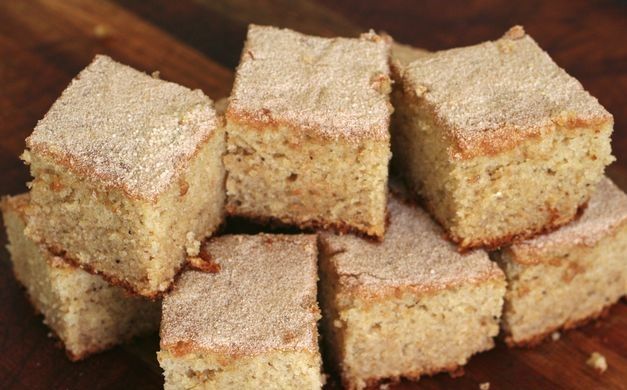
409, 306
83, 310
498, 140
562, 279
128, 175
307, 131
252, 325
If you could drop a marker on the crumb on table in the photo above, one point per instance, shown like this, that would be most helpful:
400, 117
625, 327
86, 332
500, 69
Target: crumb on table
598, 362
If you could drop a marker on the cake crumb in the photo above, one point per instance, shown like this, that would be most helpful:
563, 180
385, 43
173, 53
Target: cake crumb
192, 246
515, 32
598, 362
204, 263
484, 386
555, 336
384, 386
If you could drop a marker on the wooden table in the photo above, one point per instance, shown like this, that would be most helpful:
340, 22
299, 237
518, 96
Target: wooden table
44, 43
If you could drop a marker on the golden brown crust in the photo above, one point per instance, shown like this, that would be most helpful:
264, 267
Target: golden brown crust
124, 129
384, 295
102, 181
253, 122
454, 370
413, 259
334, 88
469, 92
312, 225
538, 339
503, 139
242, 311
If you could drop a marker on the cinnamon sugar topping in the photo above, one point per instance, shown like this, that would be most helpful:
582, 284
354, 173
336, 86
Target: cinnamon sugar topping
413, 255
321, 85
130, 130
263, 298
496, 92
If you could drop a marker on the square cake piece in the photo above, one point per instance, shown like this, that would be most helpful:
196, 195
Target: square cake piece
498, 140
307, 131
564, 278
251, 325
83, 310
407, 307
128, 175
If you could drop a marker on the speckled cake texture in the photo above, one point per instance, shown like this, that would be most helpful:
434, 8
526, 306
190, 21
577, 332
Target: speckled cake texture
308, 143
605, 213
260, 307
409, 306
86, 313
499, 142
127, 176
414, 255
329, 87
495, 93
132, 131
565, 278
263, 298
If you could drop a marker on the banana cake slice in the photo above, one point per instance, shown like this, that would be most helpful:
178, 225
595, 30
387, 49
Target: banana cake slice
307, 131
573, 274
251, 325
498, 140
84, 311
407, 307
128, 175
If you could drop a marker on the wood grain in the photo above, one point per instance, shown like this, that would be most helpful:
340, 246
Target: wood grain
44, 43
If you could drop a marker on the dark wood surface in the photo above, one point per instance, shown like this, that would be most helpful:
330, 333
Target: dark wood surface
44, 43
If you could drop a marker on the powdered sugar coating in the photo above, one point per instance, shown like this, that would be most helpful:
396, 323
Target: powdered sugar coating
130, 130
606, 211
414, 255
262, 299
494, 93
334, 88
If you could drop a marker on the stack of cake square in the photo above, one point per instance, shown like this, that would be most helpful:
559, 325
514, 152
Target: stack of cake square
502, 147
127, 178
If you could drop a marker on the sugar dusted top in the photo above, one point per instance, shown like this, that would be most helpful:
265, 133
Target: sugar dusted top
494, 94
606, 211
335, 88
414, 255
262, 299
128, 129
